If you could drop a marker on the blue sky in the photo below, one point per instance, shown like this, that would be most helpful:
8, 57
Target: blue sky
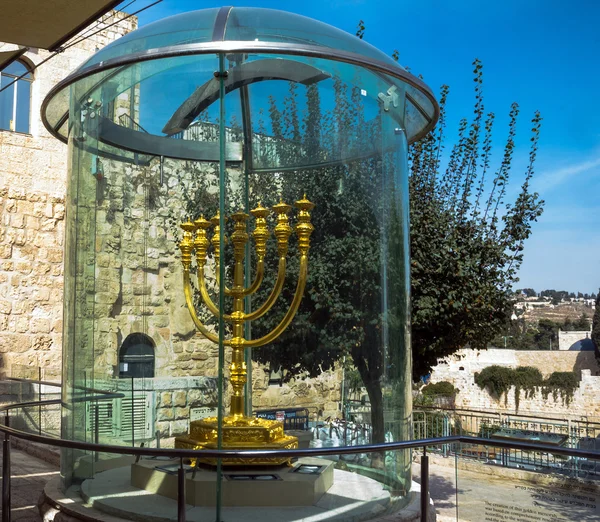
542, 54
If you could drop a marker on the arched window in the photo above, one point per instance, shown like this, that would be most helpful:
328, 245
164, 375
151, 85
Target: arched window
15, 100
136, 357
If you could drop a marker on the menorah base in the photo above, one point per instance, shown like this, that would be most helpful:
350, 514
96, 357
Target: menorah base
239, 433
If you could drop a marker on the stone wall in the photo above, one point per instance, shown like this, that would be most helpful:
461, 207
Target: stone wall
321, 396
568, 339
33, 171
460, 370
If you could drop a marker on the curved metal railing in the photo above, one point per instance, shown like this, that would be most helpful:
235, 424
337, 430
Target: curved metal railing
182, 454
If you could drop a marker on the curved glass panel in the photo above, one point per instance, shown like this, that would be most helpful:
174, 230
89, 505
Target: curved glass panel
271, 25
236, 266
184, 28
254, 25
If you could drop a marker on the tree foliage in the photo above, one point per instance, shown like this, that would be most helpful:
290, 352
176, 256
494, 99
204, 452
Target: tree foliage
543, 335
596, 326
466, 239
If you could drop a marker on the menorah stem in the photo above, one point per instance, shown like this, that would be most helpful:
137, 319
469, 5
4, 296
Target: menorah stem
238, 377
237, 370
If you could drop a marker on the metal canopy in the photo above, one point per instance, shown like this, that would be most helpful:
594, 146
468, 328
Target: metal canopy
7, 57
48, 24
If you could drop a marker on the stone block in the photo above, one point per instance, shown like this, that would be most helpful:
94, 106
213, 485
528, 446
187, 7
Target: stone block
14, 343
42, 343
182, 413
165, 414
166, 399
180, 398
163, 428
180, 427
40, 325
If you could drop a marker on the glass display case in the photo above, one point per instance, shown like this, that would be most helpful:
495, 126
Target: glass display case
237, 220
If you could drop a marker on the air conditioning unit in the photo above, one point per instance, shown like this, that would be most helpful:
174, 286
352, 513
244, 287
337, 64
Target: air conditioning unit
129, 418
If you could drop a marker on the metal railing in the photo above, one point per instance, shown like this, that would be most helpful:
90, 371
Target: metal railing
181, 454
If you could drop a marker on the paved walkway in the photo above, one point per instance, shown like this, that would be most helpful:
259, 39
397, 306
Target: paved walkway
29, 476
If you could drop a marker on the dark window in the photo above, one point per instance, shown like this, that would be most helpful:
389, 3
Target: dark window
136, 357
15, 100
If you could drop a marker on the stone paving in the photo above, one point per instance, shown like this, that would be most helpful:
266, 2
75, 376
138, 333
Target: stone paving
29, 476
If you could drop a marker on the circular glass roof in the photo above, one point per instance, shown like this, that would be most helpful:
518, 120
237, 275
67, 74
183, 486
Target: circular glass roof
250, 33
237, 24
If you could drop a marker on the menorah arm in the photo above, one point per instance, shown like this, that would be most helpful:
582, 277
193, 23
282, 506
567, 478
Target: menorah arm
218, 276
266, 306
205, 297
189, 301
285, 322
258, 279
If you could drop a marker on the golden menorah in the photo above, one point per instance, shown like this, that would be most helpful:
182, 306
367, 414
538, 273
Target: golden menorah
241, 431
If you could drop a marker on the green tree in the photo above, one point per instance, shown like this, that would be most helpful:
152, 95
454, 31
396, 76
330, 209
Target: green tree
529, 292
583, 323
466, 241
596, 326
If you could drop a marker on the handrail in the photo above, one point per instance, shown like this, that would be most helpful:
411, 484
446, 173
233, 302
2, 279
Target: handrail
503, 413
182, 454
340, 450
109, 394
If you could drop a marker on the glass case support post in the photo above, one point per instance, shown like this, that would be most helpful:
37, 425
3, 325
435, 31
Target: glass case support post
181, 492
247, 166
6, 475
221, 75
424, 485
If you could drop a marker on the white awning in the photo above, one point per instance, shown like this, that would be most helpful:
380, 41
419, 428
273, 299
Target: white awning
47, 24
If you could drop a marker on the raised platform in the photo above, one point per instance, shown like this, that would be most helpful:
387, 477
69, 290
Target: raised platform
351, 498
302, 484
55, 504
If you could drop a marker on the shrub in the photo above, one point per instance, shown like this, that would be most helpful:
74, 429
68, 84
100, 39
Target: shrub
444, 388
498, 380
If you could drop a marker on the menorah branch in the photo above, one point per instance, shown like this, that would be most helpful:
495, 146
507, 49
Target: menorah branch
275, 292
206, 298
189, 301
285, 322
258, 279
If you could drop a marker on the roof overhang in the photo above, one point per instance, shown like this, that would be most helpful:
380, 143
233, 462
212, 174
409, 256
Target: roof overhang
48, 25
7, 57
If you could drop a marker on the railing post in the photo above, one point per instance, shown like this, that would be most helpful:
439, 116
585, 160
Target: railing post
96, 430
6, 475
181, 493
424, 485
40, 400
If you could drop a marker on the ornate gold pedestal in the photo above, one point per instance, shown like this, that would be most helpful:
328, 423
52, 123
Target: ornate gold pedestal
242, 433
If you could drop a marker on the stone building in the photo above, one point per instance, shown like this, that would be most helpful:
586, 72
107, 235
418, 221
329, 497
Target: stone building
33, 167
